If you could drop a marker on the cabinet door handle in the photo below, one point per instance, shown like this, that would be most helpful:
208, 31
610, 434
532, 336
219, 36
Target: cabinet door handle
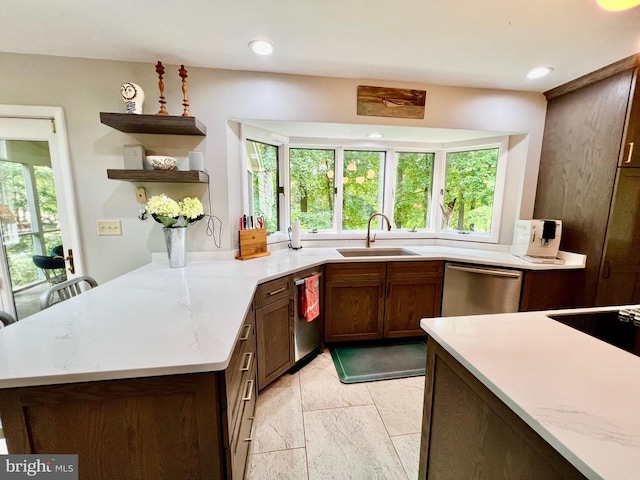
248, 391
628, 160
245, 334
606, 273
248, 357
281, 289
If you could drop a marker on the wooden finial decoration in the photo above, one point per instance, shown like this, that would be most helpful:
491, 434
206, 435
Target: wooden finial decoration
160, 72
185, 103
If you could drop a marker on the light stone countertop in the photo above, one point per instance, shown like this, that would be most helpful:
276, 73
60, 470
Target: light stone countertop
578, 393
161, 321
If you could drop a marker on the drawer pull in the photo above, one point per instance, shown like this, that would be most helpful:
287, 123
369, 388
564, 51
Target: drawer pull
247, 362
248, 439
247, 332
628, 160
248, 391
279, 290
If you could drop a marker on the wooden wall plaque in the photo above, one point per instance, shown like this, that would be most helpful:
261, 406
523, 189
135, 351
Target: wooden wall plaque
391, 102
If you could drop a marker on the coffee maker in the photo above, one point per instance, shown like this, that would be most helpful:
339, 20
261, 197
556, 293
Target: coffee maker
537, 241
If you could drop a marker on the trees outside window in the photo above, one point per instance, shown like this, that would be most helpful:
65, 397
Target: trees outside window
312, 177
28, 217
263, 167
363, 187
414, 182
471, 179
333, 188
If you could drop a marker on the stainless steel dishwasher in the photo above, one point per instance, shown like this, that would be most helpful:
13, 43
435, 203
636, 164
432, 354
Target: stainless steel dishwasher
307, 334
474, 290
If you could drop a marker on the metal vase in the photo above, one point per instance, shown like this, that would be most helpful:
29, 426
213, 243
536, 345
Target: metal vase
176, 240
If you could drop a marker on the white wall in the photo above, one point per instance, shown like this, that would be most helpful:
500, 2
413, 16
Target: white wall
86, 87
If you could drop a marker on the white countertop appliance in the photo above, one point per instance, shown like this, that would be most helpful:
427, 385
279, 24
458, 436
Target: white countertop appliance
537, 241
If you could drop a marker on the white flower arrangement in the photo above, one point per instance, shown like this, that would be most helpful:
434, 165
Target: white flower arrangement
172, 214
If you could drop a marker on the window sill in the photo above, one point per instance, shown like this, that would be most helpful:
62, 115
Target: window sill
393, 235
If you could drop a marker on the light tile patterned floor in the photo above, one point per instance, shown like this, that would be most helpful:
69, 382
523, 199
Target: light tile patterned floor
309, 426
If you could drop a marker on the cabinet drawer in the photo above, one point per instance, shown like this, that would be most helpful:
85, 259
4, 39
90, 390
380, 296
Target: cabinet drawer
274, 290
241, 440
414, 269
358, 271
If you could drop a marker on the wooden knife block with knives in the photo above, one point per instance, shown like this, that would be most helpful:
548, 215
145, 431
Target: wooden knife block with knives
252, 243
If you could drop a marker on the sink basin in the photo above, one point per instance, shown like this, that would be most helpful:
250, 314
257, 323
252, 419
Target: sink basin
374, 252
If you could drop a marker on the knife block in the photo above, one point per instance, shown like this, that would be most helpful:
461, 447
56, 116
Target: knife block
252, 244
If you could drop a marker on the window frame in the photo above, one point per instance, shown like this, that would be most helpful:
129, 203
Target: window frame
250, 133
390, 149
502, 145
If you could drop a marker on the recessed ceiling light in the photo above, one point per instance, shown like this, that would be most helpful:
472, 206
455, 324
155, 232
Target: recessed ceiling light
261, 47
539, 72
375, 135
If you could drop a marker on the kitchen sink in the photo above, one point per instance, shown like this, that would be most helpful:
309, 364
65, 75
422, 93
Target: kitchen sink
374, 252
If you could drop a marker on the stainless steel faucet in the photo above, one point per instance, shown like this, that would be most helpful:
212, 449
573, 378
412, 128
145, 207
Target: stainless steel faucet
369, 239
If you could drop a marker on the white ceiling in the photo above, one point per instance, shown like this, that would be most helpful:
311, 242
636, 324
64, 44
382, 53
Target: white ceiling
492, 43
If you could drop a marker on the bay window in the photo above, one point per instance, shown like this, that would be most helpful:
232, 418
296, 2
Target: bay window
333, 188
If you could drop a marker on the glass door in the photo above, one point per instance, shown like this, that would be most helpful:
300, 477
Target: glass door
32, 247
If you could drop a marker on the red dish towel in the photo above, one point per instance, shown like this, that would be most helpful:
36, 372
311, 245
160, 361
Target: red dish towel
311, 297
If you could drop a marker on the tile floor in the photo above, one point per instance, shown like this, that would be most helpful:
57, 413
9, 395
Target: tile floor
309, 426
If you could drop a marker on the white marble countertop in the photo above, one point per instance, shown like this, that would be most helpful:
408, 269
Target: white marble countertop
580, 394
161, 321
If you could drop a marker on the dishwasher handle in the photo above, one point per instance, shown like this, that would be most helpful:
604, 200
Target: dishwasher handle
486, 271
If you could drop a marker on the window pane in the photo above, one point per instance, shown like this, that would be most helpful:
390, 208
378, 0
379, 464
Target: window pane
470, 182
46, 197
312, 175
263, 165
363, 187
13, 197
21, 267
414, 180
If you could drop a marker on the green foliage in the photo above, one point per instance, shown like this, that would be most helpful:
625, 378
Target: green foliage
362, 189
471, 178
414, 179
20, 241
312, 174
265, 186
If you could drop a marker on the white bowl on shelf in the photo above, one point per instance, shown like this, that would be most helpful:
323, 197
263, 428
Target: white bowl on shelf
161, 162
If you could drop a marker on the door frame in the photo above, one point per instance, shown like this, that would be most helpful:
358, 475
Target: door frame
65, 191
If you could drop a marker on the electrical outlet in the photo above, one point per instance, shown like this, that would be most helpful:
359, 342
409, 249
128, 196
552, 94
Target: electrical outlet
141, 195
109, 227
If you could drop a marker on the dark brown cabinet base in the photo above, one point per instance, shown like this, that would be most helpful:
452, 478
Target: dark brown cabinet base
191, 426
139, 429
467, 432
371, 301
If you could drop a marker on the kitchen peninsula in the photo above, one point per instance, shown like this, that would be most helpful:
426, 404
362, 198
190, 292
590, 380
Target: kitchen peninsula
135, 376
524, 396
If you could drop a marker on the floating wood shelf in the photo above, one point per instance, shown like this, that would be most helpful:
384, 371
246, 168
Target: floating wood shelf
161, 124
168, 176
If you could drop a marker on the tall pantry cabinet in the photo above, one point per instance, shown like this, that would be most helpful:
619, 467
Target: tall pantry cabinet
590, 178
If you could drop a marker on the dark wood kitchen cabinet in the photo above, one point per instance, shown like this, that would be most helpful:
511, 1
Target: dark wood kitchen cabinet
549, 289
274, 326
370, 301
592, 126
354, 301
414, 291
619, 281
631, 145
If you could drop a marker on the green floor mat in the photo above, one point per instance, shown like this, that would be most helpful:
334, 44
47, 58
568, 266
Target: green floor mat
380, 362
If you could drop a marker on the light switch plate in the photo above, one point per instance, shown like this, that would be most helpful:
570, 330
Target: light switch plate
109, 227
